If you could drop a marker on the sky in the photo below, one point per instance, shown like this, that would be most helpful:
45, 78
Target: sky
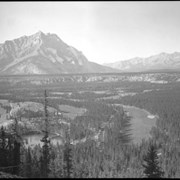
105, 31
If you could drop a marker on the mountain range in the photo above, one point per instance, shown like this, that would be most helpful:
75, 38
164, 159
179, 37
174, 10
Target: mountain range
163, 61
43, 53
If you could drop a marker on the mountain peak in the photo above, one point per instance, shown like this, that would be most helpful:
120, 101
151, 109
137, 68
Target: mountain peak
38, 34
42, 53
54, 36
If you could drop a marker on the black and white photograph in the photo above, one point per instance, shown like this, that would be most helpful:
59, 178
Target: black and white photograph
90, 89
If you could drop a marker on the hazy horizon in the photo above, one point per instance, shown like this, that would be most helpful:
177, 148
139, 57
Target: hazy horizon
104, 31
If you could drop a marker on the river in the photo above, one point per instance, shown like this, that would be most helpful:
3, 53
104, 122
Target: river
141, 123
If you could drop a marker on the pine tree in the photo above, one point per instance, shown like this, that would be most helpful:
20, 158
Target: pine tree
68, 162
17, 147
152, 168
28, 163
45, 158
9, 152
3, 149
16, 157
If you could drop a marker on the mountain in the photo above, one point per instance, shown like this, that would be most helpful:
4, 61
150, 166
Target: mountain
160, 62
44, 54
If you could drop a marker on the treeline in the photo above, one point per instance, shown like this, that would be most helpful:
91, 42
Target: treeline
95, 157
166, 104
17, 91
9, 152
106, 152
85, 160
107, 149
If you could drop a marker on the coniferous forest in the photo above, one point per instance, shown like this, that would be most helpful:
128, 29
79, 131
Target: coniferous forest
97, 143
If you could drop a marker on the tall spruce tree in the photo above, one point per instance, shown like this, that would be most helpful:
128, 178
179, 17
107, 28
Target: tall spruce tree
3, 149
28, 163
68, 159
152, 168
45, 158
17, 146
9, 152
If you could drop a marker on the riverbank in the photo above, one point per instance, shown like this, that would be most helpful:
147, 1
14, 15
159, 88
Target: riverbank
141, 123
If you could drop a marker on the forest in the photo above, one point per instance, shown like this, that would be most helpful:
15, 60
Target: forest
104, 146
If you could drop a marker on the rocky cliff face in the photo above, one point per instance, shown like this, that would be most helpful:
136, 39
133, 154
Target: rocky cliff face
163, 61
44, 54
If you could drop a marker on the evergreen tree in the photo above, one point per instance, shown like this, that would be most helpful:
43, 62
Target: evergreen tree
3, 149
28, 163
45, 158
9, 153
17, 146
16, 157
152, 168
68, 161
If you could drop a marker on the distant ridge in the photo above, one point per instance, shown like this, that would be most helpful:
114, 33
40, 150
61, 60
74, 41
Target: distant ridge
160, 62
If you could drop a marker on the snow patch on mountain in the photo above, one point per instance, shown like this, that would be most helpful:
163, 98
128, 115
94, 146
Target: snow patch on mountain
69, 59
57, 58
